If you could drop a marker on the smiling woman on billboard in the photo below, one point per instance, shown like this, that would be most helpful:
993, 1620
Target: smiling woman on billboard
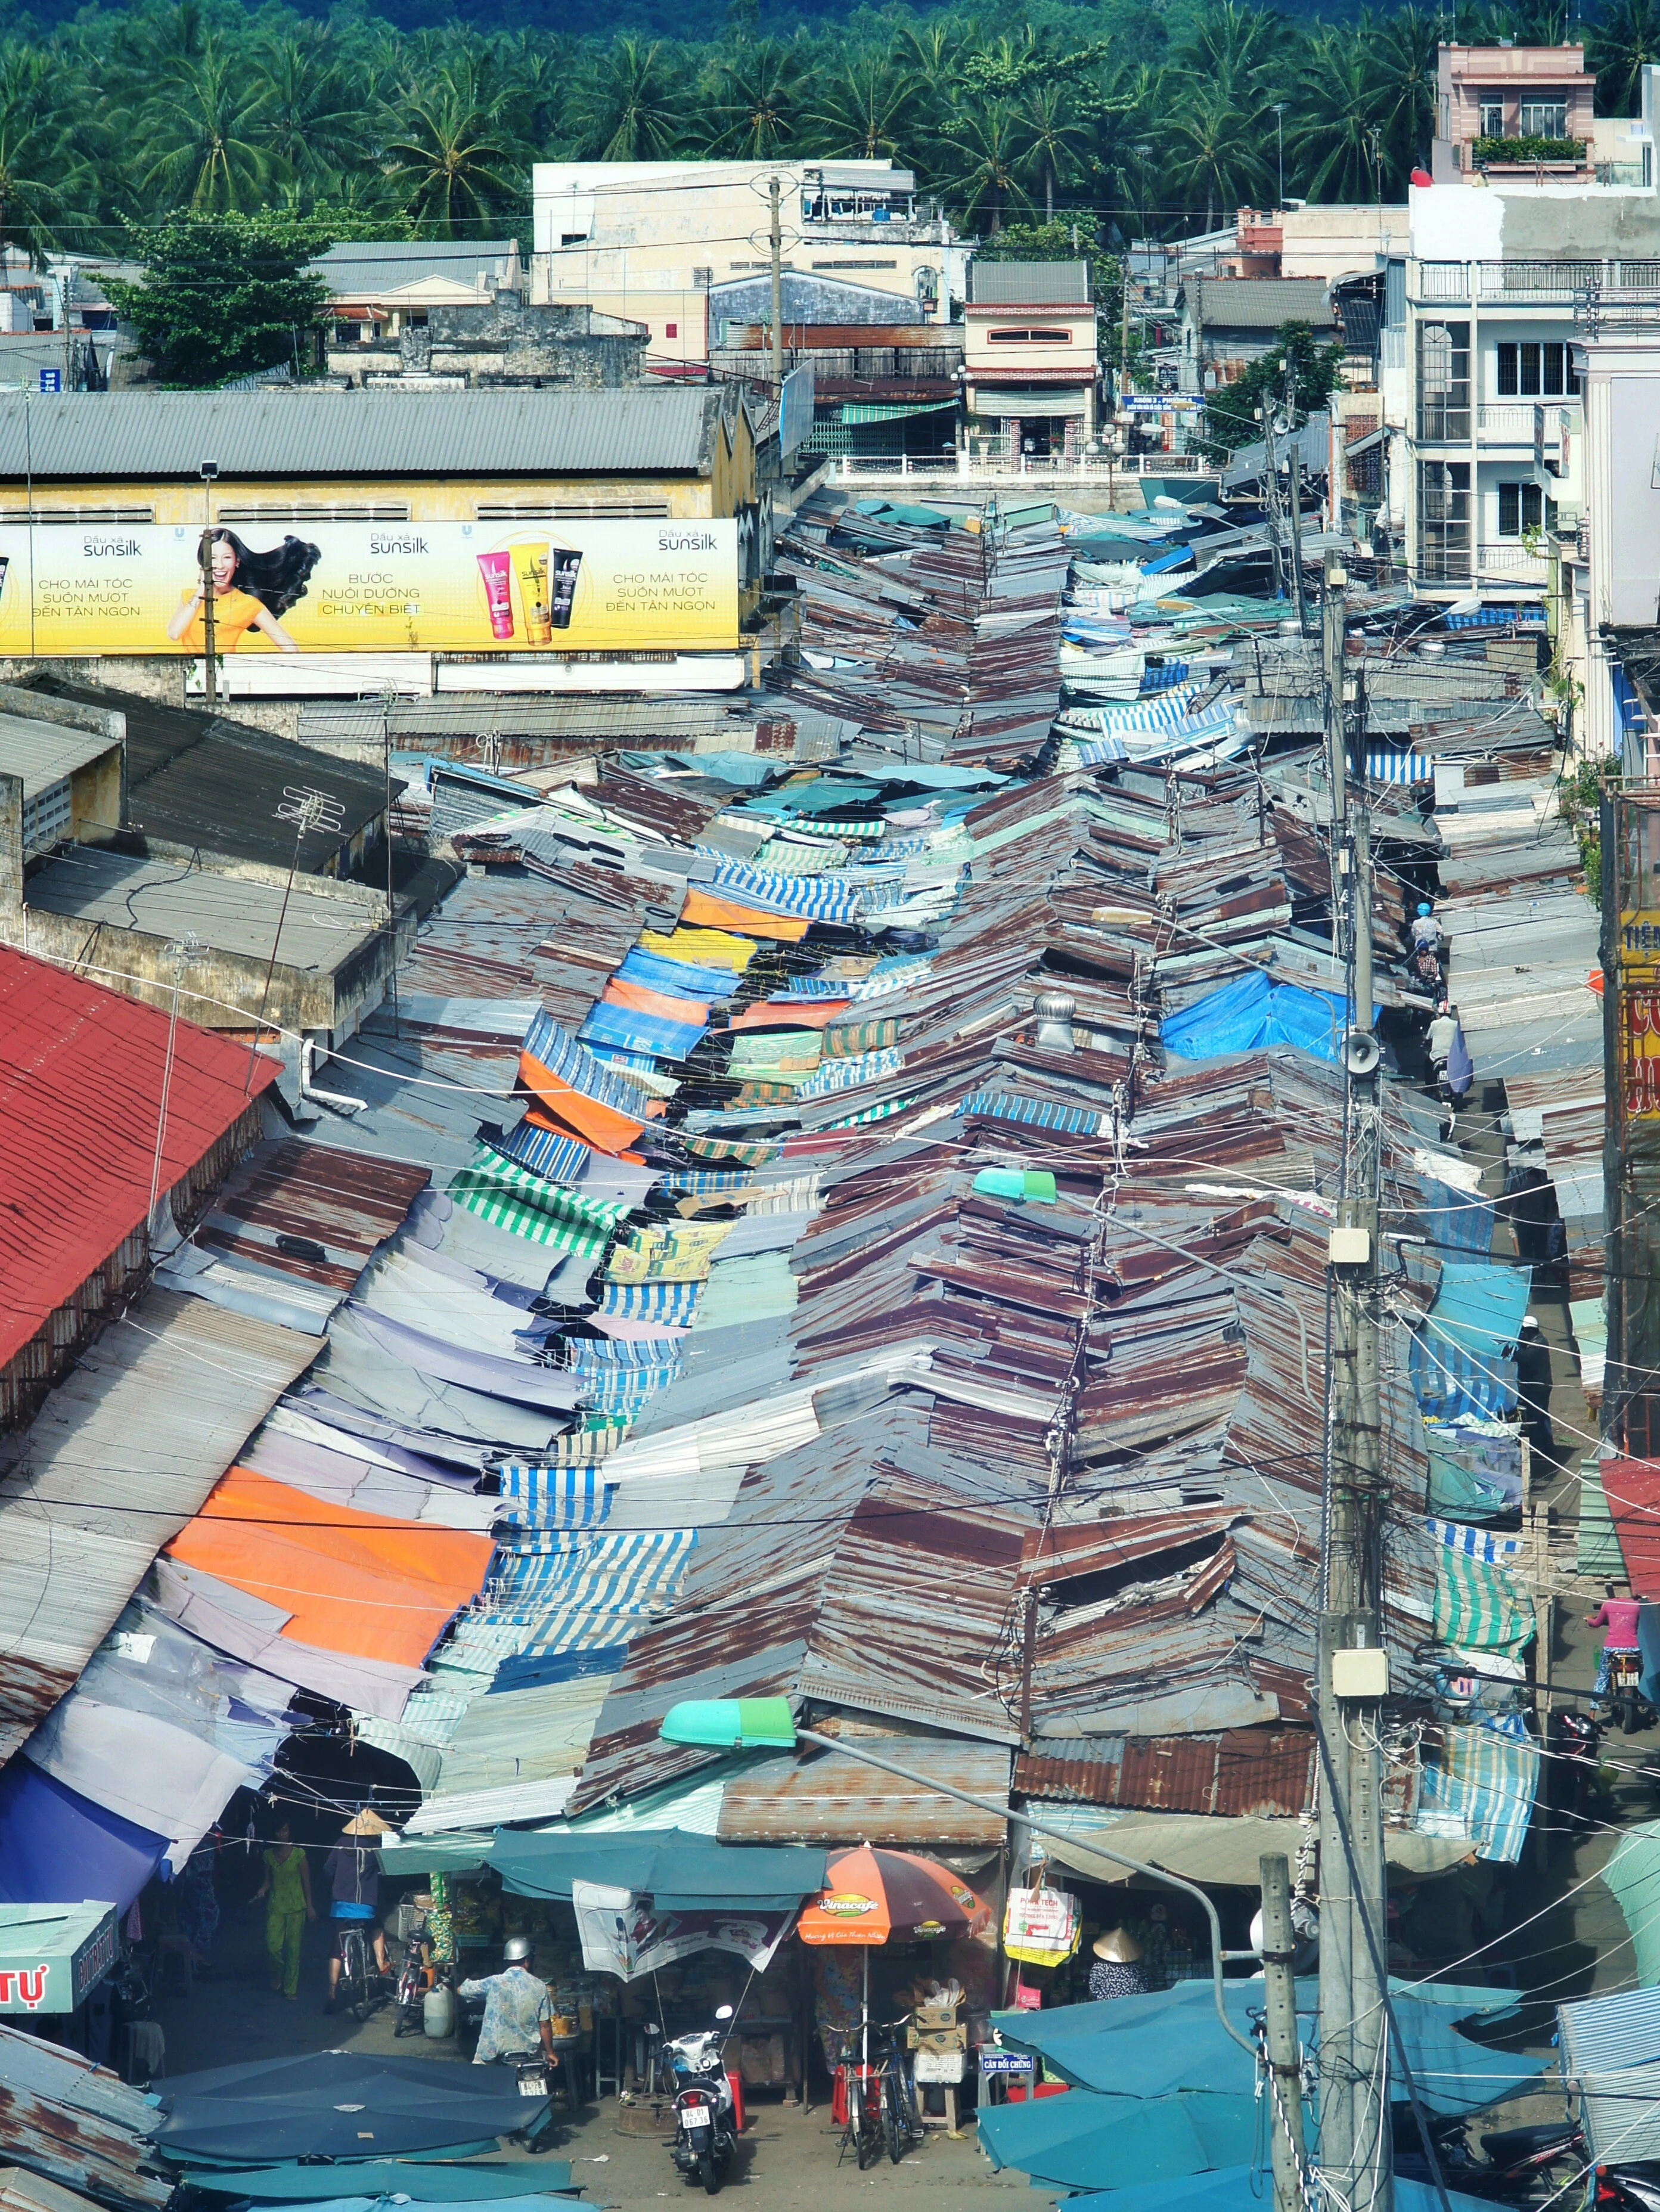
250, 591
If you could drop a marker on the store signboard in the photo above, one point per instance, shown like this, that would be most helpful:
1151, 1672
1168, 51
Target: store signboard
51, 1957
569, 586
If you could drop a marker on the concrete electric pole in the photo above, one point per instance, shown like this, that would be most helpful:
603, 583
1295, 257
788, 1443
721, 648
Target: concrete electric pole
1353, 1667
1282, 2049
777, 290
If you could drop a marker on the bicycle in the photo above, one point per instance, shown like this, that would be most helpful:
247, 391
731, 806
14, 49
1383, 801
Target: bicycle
356, 1971
900, 2126
858, 2095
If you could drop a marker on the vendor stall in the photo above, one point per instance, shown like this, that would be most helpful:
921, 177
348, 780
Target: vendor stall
53, 1956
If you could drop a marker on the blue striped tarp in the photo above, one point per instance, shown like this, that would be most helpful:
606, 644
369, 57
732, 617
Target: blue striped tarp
1476, 1543
1138, 716
691, 1182
612, 1351
623, 1573
672, 1303
625, 1390
559, 1051
1482, 1784
677, 979
818, 898
559, 1159
553, 1497
1040, 1113
1385, 766
834, 1075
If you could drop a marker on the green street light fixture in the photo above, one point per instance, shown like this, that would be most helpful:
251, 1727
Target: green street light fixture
769, 1724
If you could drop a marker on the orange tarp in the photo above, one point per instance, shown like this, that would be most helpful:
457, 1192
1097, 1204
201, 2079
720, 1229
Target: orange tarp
639, 1000
539, 1118
711, 913
811, 1014
602, 1127
355, 1582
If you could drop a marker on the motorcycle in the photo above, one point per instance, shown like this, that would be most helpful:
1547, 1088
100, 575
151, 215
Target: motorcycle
1523, 2166
705, 2120
1626, 1699
1627, 2188
1576, 1738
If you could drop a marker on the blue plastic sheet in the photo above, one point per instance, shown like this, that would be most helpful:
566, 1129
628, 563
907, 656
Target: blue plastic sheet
1073, 2142
680, 1872
1461, 1361
1252, 1015
1243, 2189
57, 1847
422, 2183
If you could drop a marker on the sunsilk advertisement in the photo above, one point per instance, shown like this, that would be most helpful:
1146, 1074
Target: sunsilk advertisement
72, 589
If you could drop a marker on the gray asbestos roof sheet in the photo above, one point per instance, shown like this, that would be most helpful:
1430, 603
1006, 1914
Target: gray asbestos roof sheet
151, 436
226, 913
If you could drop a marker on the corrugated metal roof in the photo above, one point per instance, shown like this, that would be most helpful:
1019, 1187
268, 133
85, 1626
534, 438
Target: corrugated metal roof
828, 1798
230, 914
1611, 2055
1257, 303
1248, 1771
74, 1177
357, 267
311, 1210
1028, 283
44, 753
122, 1454
153, 436
76, 2123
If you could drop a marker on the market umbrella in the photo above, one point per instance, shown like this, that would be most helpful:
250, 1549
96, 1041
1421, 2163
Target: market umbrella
873, 1897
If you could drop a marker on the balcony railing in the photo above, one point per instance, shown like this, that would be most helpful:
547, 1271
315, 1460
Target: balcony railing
1510, 424
1558, 282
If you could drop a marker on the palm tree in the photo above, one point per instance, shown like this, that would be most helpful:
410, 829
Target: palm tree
1627, 38
210, 126
628, 105
1049, 135
984, 149
1401, 55
1218, 151
1229, 47
41, 177
450, 153
1336, 137
757, 99
314, 121
870, 108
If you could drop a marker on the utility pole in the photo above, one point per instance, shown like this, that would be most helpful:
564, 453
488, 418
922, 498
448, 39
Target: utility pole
1282, 2047
1271, 478
777, 290
1353, 1667
210, 471
1294, 477
1333, 579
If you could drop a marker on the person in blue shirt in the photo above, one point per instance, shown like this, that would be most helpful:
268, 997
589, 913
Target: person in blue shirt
517, 2009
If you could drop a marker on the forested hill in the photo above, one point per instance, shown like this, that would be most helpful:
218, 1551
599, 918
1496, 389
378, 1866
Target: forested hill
414, 118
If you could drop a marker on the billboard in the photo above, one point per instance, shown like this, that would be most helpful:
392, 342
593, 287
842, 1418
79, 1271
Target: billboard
569, 586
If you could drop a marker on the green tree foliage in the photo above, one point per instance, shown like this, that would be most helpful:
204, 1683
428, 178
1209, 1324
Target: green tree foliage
223, 293
1231, 413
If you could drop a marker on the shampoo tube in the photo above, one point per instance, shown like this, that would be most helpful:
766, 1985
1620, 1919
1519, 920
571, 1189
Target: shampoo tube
531, 563
496, 570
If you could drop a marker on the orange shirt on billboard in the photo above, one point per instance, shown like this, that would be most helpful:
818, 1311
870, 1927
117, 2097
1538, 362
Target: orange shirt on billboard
234, 614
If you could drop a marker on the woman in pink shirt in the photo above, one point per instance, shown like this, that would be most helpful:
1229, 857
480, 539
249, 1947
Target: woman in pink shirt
1619, 1616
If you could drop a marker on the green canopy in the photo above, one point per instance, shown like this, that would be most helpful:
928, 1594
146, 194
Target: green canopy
1077, 2140
680, 1873
1634, 1875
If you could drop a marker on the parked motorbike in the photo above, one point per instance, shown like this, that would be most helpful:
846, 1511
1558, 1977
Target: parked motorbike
705, 2122
1576, 1738
1627, 2188
1523, 2166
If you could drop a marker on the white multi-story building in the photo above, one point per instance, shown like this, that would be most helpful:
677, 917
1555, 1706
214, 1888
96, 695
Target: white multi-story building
684, 246
1497, 270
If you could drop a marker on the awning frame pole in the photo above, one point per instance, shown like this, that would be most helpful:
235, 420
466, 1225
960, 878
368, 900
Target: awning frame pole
1059, 1835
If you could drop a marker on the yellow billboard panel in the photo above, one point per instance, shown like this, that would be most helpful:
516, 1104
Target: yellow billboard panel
371, 587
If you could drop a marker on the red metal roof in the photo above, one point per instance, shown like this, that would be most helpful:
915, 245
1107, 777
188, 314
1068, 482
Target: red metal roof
1632, 1487
80, 1097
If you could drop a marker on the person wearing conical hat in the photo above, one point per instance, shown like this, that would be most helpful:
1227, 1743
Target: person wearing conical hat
354, 1870
1117, 1972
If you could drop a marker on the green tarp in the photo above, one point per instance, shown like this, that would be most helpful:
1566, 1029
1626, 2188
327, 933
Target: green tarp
1479, 1607
680, 1873
1634, 1875
1081, 2139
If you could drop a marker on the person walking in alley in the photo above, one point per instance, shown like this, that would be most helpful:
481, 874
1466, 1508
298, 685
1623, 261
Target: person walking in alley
1533, 1390
1617, 1615
288, 1885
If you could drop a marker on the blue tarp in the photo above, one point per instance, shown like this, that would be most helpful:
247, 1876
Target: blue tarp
1073, 2142
57, 1847
418, 2181
681, 1873
1252, 1014
621, 1027
1460, 1360
677, 979
1159, 2045
341, 2105
1243, 2189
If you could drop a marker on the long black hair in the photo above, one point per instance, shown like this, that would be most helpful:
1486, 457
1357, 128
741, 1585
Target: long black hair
275, 579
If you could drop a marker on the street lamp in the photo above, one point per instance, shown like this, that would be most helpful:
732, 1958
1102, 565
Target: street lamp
1279, 128
769, 1724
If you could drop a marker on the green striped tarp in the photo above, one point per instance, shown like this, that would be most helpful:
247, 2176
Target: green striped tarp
1599, 1552
1479, 1607
512, 1198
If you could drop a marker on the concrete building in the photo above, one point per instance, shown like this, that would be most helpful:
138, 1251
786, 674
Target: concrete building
379, 287
1491, 286
1031, 368
1498, 107
665, 242
1227, 322
103, 500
